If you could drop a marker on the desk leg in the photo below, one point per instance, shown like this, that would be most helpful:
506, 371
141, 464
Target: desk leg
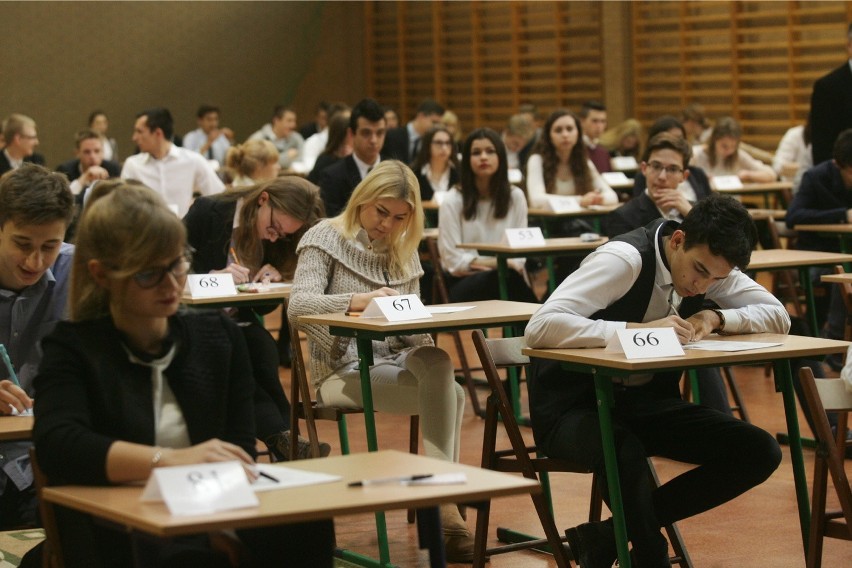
603, 391
430, 536
502, 274
784, 385
807, 285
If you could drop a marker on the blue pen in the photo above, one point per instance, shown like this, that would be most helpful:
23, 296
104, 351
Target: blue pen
9, 366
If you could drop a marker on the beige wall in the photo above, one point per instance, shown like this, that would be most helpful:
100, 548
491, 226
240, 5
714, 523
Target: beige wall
61, 60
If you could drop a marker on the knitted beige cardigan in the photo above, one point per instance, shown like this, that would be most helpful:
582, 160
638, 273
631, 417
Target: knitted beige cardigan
331, 269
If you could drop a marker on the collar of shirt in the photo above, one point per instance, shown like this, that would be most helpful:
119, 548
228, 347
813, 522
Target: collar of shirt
413, 136
170, 155
664, 275
362, 242
12, 161
47, 279
363, 166
237, 210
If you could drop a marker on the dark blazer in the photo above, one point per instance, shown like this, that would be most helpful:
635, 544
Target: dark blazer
209, 224
636, 213
697, 179
323, 161
337, 183
396, 145
5, 166
426, 191
831, 111
71, 168
822, 199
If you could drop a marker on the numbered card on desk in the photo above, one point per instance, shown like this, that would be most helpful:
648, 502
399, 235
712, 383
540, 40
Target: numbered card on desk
645, 343
211, 285
200, 489
624, 163
397, 308
563, 203
617, 179
722, 183
526, 237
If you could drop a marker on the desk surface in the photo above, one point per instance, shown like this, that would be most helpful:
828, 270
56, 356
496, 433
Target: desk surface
16, 428
836, 228
788, 258
837, 278
791, 346
762, 214
272, 295
122, 505
584, 212
768, 187
487, 313
565, 244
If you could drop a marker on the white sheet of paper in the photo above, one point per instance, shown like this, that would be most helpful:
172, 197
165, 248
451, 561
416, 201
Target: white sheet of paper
448, 309
711, 345
616, 178
397, 308
563, 203
211, 285
289, 477
201, 488
645, 343
727, 182
624, 163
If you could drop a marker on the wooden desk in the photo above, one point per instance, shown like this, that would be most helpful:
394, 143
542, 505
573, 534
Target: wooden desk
803, 260
764, 214
779, 189
16, 428
121, 505
241, 299
837, 278
604, 366
569, 246
544, 217
842, 230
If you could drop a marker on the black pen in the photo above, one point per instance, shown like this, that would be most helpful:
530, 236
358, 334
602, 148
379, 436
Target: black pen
387, 278
267, 476
402, 480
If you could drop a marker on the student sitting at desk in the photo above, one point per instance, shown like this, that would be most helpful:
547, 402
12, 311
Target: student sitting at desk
722, 155
252, 162
36, 206
369, 251
560, 165
130, 385
655, 276
479, 211
252, 233
436, 164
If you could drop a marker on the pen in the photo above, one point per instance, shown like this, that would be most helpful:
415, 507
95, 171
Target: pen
387, 279
267, 476
352, 314
404, 479
235, 257
9, 366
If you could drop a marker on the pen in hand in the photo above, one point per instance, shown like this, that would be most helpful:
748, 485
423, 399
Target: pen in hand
9, 367
400, 480
387, 278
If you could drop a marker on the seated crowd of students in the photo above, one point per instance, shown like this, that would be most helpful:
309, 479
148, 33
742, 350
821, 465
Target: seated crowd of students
129, 383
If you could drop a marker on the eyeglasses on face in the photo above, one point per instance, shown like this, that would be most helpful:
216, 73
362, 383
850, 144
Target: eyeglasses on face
274, 228
151, 277
657, 167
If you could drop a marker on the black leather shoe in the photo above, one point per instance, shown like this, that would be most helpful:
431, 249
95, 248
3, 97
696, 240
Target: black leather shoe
593, 544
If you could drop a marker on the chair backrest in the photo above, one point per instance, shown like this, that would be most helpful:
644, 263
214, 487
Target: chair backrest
440, 292
52, 548
845, 291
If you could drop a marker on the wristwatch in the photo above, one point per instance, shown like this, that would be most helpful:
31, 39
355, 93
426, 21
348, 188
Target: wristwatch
721, 327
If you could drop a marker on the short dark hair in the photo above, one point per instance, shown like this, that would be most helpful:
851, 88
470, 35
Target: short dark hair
430, 107
280, 110
589, 106
85, 134
95, 114
664, 124
206, 109
666, 141
725, 226
34, 195
368, 109
159, 117
842, 152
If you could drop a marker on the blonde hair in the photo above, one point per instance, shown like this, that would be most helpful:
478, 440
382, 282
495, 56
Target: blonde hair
391, 179
294, 196
126, 227
245, 159
611, 139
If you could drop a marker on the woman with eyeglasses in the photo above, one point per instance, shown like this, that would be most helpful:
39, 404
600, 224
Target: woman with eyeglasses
366, 252
130, 384
559, 165
436, 164
252, 233
479, 210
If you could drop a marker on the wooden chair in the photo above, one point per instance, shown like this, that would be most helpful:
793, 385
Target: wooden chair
52, 547
441, 295
846, 294
788, 286
831, 395
498, 354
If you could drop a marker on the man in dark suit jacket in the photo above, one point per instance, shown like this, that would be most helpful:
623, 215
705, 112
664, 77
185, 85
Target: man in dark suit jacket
367, 126
89, 165
21, 137
831, 106
403, 143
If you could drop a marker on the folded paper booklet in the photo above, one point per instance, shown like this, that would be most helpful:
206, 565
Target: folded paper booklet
285, 477
710, 345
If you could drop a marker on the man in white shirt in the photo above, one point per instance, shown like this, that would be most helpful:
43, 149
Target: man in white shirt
176, 173
208, 139
655, 276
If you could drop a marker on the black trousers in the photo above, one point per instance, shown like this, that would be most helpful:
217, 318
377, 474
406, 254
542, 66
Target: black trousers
271, 407
732, 457
486, 286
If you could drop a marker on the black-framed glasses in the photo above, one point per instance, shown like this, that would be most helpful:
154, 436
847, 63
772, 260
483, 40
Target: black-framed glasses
151, 277
657, 167
273, 228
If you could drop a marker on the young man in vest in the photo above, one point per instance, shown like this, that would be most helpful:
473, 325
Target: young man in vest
655, 276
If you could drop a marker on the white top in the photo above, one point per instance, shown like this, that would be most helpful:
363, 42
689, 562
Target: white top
175, 177
792, 150
538, 193
744, 162
607, 274
313, 147
196, 139
483, 228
